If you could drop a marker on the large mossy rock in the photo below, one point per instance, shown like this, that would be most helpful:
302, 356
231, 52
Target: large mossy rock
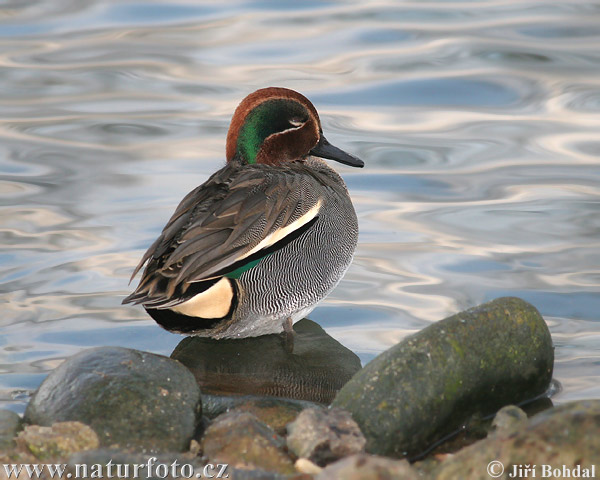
428, 385
131, 399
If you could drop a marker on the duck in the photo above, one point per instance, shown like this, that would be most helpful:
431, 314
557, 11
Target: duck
259, 244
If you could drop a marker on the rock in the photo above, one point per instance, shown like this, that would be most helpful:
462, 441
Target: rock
428, 385
368, 467
58, 441
509, 419
324, 436
242, 441
275, 412
10, 425
315, 370
567, 436
132, 399
506, 420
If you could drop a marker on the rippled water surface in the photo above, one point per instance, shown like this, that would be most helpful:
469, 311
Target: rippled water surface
479, 122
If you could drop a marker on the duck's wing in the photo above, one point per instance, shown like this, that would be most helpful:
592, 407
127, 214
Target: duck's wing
223, 228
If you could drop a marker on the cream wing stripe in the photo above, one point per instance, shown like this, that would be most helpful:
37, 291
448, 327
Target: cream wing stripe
281, 233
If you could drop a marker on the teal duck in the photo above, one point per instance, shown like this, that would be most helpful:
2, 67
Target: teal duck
264, 239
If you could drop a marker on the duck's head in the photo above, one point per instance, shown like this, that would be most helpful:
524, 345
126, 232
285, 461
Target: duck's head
275, 125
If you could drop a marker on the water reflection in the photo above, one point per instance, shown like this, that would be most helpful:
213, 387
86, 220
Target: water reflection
314, 368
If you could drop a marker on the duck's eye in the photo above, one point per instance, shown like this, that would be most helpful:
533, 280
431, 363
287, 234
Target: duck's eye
296, 122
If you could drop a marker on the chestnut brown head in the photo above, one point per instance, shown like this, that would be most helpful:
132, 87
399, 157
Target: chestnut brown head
276, 125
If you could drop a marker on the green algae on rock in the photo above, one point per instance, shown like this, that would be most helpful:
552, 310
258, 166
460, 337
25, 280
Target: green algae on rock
428, 385
57, 441
130, 398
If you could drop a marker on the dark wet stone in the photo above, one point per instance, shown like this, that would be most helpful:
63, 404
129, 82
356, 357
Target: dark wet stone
432, 382
324, 436
10, 425
130, 398
538, 405
57, 441
368, 467
567, 435
242, 441
316, 368
275, 412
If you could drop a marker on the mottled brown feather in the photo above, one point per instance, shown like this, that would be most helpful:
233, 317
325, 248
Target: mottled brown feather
218, 223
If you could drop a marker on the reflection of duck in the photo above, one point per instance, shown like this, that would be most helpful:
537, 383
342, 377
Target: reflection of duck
316, 369
268, 236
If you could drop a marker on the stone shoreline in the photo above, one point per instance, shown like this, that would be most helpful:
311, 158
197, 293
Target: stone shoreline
111, 404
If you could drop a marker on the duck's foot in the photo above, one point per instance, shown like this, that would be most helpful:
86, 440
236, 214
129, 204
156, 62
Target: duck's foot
288, 335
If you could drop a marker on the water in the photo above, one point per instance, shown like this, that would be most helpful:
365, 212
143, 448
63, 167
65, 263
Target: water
478, 122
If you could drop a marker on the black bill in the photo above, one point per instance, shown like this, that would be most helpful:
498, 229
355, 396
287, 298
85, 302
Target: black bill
324, 149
